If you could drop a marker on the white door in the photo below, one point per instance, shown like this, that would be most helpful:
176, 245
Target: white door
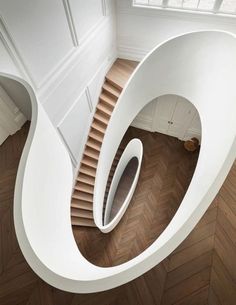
11, 119
174, 116
194, 129
181, 118
165, 107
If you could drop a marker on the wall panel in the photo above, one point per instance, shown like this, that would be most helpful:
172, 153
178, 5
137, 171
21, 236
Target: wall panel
86, 15
62, 48
74, 126
40, 33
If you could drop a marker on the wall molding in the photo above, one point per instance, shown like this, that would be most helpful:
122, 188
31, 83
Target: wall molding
53, 80
14, 53
96, 26
104, 7
132, 53
73, 160
105, 66
20, 63
89, 98
70, 20
56, 74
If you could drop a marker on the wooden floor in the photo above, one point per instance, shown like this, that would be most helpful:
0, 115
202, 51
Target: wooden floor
166, 172
201, 271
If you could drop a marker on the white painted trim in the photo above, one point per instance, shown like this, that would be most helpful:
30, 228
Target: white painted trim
106, 65
53, 80
132, 53
57, 73
89, 99
73, 160
92, 30
56, 69
70, 20
14, 53
217, 5
26, 70
104, 7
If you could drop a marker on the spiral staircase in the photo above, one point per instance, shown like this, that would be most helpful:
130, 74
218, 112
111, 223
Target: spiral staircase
42, 198
82, 197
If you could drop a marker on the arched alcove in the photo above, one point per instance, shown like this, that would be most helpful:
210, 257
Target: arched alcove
15, 107
170, 114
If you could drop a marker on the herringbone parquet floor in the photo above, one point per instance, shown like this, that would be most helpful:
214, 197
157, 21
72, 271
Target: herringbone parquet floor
164, 178
183, 278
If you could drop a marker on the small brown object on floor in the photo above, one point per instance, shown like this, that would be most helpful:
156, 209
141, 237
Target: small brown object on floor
191, 145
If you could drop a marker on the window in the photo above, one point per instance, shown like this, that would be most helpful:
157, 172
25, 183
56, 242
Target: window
211, 6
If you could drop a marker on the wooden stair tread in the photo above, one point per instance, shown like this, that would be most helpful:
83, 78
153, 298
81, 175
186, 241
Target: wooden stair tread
89, 161
81, 213
98, 126
82, 196
84, 187
120, 72
98, 136
79, 204
86, 179
87, 170
104, 109
108, 87
108, 100
101, 118
92, 153
93, 144
78, 221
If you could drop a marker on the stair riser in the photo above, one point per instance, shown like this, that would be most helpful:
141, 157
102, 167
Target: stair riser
82, 198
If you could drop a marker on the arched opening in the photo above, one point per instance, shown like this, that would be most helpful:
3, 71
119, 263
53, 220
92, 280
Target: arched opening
15, 109
163, 126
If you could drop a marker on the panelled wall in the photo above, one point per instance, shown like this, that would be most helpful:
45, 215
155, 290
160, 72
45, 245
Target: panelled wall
63, 49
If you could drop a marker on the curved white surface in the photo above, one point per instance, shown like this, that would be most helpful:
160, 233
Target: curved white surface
198, 66
133, 149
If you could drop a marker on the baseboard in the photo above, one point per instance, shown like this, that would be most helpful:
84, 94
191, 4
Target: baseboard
131, 53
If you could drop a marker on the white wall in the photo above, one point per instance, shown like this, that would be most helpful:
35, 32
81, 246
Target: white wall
59, 47
139, 30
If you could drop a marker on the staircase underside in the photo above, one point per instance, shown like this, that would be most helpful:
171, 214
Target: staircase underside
82, 197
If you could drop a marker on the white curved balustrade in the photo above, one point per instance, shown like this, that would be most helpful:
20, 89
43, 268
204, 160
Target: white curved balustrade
134, 149
201, 67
